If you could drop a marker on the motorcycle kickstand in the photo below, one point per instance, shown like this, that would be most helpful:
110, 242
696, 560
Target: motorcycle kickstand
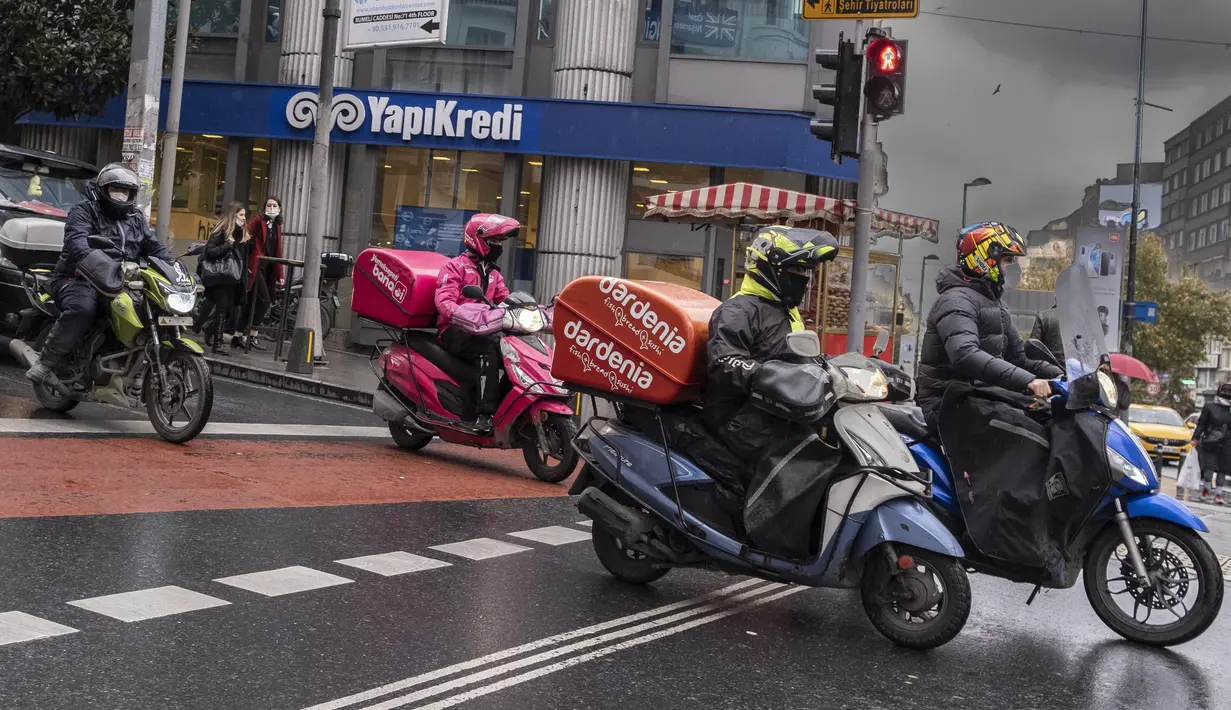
1033, 594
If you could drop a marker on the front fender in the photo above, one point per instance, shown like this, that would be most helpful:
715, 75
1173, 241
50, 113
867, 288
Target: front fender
549, 405
184, 344
906, 521
1163, 507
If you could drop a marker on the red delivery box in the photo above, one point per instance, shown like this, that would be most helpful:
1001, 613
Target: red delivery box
644, 340
397, 288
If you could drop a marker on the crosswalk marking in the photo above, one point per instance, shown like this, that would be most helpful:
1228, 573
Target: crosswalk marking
288, 580
393, 563
480, 548
149, 603
552, 535
17, 626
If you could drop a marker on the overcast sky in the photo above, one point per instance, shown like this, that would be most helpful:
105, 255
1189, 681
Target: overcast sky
1064, 115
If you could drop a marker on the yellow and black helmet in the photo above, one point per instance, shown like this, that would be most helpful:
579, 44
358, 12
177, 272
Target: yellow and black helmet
778, 252
985, 247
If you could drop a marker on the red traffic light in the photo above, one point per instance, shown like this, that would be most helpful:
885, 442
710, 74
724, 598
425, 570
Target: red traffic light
885, 57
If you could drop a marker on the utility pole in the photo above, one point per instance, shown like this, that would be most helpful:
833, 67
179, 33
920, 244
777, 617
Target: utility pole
144, 93
1126, 336
862, 242
171, 137
308, 320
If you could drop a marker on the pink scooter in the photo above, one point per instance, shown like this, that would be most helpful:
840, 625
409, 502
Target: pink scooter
424, 392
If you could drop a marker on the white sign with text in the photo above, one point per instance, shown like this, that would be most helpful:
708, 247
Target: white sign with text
393, 23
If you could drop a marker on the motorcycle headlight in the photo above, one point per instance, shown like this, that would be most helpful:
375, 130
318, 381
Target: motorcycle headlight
529, 320
1107, 386
1122, 469
181, 303
865, 384
524, 379
509, 351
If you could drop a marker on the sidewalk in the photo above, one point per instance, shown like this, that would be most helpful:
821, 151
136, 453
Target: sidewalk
346, 378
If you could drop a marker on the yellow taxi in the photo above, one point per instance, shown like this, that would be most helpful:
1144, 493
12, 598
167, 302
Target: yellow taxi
1162, 430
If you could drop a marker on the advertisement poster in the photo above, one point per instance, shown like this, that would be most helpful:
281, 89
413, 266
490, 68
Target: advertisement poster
1100, 252
429, 229
1116, 203
394, 23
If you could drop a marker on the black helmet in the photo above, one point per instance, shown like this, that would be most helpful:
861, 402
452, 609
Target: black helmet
119, 179
782, 260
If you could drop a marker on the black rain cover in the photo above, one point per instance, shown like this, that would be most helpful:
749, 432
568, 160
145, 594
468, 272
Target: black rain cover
1025, 482
689, 437
787, 492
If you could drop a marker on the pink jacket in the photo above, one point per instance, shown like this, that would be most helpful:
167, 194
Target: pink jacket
459, 272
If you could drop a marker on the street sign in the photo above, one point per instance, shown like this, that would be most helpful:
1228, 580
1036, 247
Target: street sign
858, 9
393, 23
1141, 311
1153, 389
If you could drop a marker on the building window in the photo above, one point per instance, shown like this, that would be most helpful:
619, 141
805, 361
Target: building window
1209, 134
1197, 173
1205, 202
1192, 240
1217, 162
1226, 192
216, 18
766, 30
482, 23
528, 200
1198, 141
1220, 125
657, 178
1201, 234
459, 71
273, 21
1214, 195
1194, 211
682, 270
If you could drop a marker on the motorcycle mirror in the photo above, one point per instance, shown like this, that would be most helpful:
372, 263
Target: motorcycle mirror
804, 343
1036, 350
474, 293
882, 342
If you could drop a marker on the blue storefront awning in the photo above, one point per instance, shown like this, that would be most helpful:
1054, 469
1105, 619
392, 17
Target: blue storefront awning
659, 133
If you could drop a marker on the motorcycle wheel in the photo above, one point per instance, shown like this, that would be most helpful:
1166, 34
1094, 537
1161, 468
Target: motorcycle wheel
407, 440
560, 432
1176, 559
164, 401
920, 608
47, 397
624, 564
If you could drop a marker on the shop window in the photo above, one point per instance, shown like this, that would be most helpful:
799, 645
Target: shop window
200, 178
273, 21
769, 178
424, 197
657, 178
526, 207
482, 23
545, 21
258, 188
682, 270
211, 18
765, 30
458, 71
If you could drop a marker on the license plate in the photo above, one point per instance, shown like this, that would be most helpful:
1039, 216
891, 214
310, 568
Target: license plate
175, 322
1168, 450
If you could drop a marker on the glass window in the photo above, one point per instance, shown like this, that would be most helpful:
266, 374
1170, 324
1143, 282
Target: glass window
1219, 129
200, 177
1214, 195
258, 188
657, 178
1196, 173
769, 178
1209, 134
527, 200
273, 21
219, 18
434, 70
482, 23
1205, 202
653, 21
682, 270
768, 30
1217, 162
1195, 203
547, 13
1226, 192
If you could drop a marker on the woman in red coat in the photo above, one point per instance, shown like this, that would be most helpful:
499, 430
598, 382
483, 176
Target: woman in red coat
266, 230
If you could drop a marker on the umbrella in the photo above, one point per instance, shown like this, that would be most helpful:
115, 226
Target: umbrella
1131, 367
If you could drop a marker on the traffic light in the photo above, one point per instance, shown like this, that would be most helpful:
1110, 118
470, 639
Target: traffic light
885, 89
842, 130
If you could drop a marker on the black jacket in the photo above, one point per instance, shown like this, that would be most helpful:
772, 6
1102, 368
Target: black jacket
745, 331
217, 247
1047, 329
131, 237
970, 337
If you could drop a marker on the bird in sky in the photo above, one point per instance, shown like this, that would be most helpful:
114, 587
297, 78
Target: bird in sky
997, 91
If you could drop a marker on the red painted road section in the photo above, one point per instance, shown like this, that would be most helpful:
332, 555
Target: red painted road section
81, 476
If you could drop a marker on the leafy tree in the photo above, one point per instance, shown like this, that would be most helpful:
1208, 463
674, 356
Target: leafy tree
1041, 276
65, 57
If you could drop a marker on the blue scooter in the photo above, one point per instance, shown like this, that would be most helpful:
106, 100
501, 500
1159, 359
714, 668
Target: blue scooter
655, 510
1148, 574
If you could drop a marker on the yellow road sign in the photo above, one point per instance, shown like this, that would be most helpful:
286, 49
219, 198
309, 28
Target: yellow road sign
859, 9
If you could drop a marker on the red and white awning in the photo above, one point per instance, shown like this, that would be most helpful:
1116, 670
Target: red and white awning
905, 226
740, 199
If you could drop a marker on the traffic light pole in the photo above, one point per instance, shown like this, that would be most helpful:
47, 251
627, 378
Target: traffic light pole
862, 241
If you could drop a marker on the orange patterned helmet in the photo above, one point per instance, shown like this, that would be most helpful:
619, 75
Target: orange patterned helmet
983, 248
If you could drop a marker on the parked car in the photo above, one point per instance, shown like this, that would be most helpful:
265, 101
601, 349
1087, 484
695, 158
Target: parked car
34, 185
1191, 420
1162, 430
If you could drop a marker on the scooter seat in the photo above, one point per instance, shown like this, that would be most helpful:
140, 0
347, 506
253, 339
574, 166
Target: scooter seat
428, 345
907, 420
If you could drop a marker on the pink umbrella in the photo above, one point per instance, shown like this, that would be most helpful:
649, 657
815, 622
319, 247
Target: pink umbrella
1132, 367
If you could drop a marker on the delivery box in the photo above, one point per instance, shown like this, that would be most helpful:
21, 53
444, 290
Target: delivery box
643, 340
397, 288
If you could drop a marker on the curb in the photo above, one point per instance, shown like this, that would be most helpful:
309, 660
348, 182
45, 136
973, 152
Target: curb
290, 383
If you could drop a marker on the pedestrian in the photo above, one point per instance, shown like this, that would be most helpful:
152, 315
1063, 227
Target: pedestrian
1213, 437
266, 231
224, 270
1047, 331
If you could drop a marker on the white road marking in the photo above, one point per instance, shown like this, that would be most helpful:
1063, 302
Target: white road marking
393, 563
528, 647
149, 603
599, 653
18, 626
585, 523
288, 580
698, 614
130, 427
554, 535
480, 548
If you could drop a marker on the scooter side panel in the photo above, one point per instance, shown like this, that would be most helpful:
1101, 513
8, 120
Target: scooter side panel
1163, 507
417, 382
905, 520
943, 491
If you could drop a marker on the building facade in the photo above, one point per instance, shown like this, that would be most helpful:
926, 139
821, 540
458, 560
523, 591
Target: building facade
1197, 197
529, 109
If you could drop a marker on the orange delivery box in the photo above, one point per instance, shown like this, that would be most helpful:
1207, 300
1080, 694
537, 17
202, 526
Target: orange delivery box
644, 340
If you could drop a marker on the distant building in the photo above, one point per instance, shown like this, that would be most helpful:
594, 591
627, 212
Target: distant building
1197, 197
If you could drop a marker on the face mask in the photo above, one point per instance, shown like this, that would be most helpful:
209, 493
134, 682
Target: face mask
494, 252
239, 221
793, 288
272, 214
118, 195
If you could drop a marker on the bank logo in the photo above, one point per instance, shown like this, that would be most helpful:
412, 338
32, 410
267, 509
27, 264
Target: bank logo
348, 112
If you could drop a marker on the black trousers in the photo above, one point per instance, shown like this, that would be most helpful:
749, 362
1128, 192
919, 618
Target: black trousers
260, 292
224, 299
80, 305
482, 351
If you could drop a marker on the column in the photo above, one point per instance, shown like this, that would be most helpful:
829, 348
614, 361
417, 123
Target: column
585, 202
290, 165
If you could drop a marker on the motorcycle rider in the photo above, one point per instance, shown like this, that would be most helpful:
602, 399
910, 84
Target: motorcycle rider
970, 335
109, 211
476, 266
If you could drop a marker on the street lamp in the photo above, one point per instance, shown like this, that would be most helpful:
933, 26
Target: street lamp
923, 267
977, 182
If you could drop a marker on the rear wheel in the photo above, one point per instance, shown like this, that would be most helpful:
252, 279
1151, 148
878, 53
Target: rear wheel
624, 564
921, 607
180, 403
407, 440
558, 461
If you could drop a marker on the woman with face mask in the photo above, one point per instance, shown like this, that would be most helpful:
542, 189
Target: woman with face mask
228, 241
266, 231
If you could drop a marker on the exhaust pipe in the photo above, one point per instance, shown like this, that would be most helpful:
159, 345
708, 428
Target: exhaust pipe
387, 407
23, 353
633, 527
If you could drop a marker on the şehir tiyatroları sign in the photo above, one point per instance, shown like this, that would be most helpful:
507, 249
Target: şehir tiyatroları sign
859, 9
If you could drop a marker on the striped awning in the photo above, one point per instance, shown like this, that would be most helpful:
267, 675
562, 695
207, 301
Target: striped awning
740, 199
904, 226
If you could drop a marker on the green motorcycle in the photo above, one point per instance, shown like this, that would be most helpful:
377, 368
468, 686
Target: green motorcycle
135, 353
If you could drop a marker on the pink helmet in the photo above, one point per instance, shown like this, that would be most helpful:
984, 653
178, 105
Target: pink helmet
483, 230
